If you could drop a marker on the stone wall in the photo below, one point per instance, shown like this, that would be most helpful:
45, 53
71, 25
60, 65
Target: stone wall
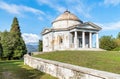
67, 71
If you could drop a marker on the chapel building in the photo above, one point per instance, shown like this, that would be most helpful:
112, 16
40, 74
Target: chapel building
68, 32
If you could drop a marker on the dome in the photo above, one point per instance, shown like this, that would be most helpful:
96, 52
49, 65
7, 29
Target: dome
67, 15
66, 20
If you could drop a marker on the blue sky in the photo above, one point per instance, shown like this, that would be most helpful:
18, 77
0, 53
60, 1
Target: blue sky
35, 15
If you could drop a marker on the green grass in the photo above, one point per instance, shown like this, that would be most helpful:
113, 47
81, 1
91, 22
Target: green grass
17, 70
101, 60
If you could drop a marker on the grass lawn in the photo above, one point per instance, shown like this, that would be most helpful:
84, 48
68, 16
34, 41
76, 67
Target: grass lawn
17, 70
101, 60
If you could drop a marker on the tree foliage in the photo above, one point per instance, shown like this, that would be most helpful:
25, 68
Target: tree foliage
1, 49
20, 47
8, 43
15, 27
13, 46
118, 36
117, 40
40, 46
107, 43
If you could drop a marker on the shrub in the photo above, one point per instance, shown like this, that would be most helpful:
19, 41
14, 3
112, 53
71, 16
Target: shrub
107, 43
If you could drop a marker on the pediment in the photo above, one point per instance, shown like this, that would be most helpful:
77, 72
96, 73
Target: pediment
89, 25
45, 31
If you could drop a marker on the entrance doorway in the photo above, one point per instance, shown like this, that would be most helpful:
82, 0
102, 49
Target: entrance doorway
80, 42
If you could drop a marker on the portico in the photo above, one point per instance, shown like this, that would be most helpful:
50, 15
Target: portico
83, 39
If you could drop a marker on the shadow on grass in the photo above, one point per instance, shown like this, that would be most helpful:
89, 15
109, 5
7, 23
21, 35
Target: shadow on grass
19, 70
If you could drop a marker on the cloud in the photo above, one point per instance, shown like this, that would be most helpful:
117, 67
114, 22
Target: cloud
112, 2
110, 26
79, 7
30, 38
53, 4
76, 6
18, 9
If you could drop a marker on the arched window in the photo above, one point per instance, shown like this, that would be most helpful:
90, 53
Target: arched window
60, 39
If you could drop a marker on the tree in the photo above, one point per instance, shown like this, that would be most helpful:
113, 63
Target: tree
8, 43
15, 27
107, 43
118, 36
1, 49
12, 45
117, 40
20, 47
40, 46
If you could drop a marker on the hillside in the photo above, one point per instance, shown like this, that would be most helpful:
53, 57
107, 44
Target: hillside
32, 48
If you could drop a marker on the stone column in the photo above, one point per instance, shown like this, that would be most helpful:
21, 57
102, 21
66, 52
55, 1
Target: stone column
90, 39
97, 40
83, 39
75, 40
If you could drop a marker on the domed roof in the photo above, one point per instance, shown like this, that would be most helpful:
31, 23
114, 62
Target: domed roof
67, 15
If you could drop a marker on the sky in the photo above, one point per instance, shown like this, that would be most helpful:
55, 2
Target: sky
35, 15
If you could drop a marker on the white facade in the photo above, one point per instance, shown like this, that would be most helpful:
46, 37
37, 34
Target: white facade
68, 32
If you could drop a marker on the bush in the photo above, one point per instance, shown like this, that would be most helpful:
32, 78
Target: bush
107, 43
116, 49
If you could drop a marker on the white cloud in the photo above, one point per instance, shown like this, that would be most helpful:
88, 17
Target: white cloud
110, 26
18, 9
30, 38
30, 9
76, 6
41, 18
53, 4
9, 8
79, 7
112, 2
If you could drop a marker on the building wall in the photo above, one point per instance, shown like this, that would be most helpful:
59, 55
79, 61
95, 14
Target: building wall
67, 71
61, 40
65, 23
47, 42
56, 41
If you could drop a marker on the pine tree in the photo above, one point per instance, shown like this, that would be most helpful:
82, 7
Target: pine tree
20, 47
15, 27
